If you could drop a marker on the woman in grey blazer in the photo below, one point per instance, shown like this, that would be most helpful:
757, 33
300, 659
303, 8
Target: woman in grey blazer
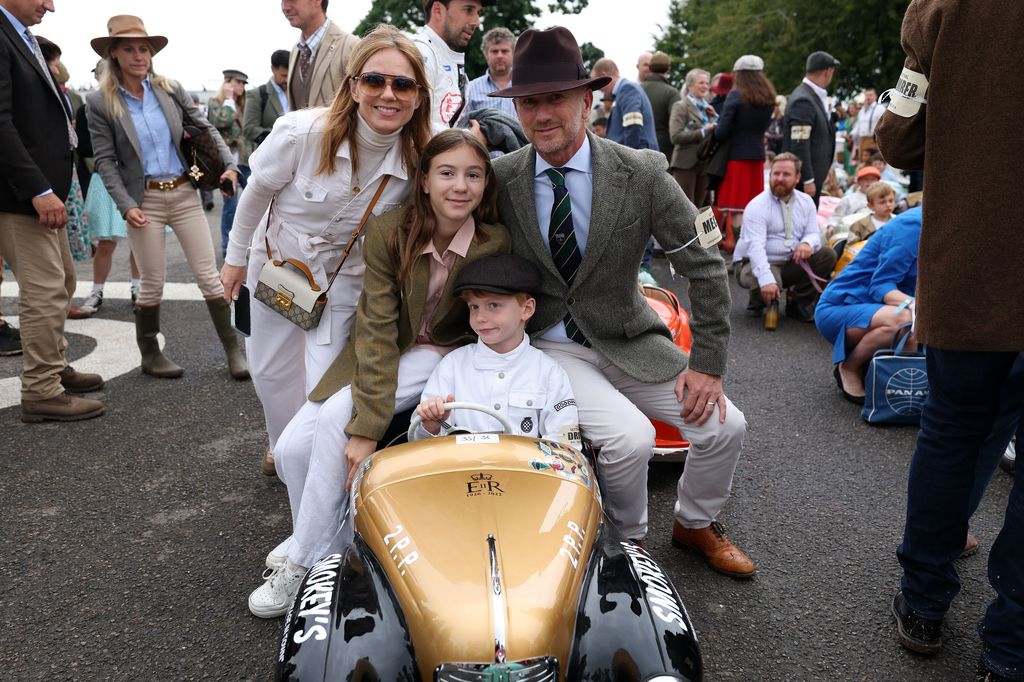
135, 118
692, 119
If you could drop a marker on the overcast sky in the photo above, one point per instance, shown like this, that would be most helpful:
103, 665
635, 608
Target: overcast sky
207, 36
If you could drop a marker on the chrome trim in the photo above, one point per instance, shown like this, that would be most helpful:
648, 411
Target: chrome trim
497, 603
544, 669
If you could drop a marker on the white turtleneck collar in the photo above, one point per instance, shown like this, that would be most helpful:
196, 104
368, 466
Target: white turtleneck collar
370, 140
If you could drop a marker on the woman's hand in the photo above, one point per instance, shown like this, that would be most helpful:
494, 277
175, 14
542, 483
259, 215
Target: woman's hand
232, 177
228, 91
136, 218
356, 452
432, 411
232, 277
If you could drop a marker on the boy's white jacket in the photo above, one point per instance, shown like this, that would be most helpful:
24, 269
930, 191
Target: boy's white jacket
525, 385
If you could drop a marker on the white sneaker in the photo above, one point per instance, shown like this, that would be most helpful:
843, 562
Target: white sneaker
273, 597
92, 303
277, 556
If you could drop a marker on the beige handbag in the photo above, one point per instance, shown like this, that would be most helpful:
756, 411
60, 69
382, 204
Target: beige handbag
287, 286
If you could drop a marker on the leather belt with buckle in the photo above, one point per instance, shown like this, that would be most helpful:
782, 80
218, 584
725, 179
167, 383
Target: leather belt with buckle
167, 185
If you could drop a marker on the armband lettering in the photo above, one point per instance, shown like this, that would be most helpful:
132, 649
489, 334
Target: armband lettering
799, 133
909, 94
633, 118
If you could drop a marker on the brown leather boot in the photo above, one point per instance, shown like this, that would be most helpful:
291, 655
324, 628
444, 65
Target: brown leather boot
267, 466
79, 382
61, 408
721, 555
154, 362
220, 313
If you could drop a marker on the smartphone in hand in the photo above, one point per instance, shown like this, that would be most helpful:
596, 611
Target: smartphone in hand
227, 187
240, 312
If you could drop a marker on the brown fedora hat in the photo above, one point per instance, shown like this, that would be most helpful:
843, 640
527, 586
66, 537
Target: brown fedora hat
126, 26
548, 61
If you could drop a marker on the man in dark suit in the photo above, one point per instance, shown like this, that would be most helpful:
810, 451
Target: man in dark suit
808, 130
268, 102
35, 175
583, 209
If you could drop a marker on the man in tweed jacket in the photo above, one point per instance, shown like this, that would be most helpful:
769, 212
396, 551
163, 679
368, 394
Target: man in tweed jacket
619, 357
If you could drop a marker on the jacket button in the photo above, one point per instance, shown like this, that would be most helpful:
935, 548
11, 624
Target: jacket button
529, 403
570, 300
497, 406
501, 375
309, 195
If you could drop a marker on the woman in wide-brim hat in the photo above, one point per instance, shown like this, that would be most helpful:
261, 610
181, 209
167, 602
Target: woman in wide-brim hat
147, 176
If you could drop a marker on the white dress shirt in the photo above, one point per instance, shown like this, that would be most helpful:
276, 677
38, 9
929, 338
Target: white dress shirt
763, 238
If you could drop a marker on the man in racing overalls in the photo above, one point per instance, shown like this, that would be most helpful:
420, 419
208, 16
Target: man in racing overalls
450, 25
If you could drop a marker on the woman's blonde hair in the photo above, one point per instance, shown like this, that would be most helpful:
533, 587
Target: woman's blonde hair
342, 116
110, 80
418, 232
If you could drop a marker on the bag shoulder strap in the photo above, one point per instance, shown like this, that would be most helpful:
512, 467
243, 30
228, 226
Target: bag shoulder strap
264, 96
352, 240
897, 342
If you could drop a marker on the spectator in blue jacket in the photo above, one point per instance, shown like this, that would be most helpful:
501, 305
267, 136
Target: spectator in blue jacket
861, 309
631, 121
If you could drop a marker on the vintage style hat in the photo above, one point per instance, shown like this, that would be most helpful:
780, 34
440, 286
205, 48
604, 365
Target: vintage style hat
235, 73
819, 61
724, 84
749, 62
502, 274
548, 61
126, 26
661, 60
868, 170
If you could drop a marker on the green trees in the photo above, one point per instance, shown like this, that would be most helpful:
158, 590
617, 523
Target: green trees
862, 34
515, 15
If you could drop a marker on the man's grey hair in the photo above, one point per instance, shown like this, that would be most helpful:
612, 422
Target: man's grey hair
498, 34
693, 74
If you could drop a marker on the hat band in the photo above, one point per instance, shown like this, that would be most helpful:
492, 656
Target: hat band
549, 72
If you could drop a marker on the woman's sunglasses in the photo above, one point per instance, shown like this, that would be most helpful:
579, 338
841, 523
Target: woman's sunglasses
373, 84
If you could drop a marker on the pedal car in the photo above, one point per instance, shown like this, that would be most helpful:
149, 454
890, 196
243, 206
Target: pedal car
485, 557
669, 444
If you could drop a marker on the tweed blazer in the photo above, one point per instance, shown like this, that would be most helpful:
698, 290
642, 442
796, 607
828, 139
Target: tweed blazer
35, 154
634, 198
259, 119
970, 292
662, 95
685, 126
330, 66
388, 319
816, 151
115, 142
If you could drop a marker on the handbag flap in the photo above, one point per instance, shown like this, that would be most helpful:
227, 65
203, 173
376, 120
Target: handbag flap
291, 284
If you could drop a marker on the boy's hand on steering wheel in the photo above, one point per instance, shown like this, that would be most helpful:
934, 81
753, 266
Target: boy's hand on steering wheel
432, 411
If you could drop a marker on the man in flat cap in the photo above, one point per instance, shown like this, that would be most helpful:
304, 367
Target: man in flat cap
807, 127
583, 208
663, 96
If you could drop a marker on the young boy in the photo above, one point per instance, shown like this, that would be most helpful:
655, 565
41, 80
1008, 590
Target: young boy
501, 370
881, 201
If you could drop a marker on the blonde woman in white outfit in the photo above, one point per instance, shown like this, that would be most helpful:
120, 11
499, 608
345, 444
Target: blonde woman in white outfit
324, 166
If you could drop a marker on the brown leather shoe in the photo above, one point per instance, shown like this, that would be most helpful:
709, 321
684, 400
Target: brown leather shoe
62, 408
721, 555
267, 466
79, 382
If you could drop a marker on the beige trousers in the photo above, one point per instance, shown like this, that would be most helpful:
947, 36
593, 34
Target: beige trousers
182, 210
615, 411
41, 261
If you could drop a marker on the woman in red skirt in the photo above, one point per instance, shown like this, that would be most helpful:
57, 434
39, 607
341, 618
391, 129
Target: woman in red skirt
745, 118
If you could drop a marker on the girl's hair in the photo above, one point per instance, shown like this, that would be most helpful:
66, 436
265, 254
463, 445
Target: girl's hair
240, 101
420, 229
110, 80
755, 88
342, 115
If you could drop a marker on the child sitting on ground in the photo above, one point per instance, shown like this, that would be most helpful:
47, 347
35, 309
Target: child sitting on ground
881, 201
501, 370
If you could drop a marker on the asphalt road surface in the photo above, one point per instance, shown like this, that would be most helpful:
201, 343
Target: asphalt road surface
129, 543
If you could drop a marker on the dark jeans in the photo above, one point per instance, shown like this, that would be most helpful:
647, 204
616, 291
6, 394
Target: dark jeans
966, 391
227, 213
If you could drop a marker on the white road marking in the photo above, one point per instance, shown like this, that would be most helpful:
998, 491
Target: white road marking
173, 291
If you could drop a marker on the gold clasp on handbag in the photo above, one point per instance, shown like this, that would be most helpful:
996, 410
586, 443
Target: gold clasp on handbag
284, 299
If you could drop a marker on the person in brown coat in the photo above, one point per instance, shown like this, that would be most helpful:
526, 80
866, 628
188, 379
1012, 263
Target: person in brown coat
970, 306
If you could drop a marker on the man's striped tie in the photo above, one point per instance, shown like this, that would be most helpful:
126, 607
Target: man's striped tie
562, 241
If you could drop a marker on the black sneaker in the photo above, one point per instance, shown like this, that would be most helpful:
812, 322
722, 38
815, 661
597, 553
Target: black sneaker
10, 340
983, 674
921, 635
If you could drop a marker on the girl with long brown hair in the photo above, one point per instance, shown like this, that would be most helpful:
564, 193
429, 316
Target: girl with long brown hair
407, 320
321, 168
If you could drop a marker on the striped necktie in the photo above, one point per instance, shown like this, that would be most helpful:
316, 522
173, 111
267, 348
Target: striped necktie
565, 252
37, 51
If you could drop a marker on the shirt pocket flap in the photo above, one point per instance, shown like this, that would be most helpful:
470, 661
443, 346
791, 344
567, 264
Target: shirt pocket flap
310, 190
526, 400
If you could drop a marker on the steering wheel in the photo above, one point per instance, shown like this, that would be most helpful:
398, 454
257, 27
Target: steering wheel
477, 407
